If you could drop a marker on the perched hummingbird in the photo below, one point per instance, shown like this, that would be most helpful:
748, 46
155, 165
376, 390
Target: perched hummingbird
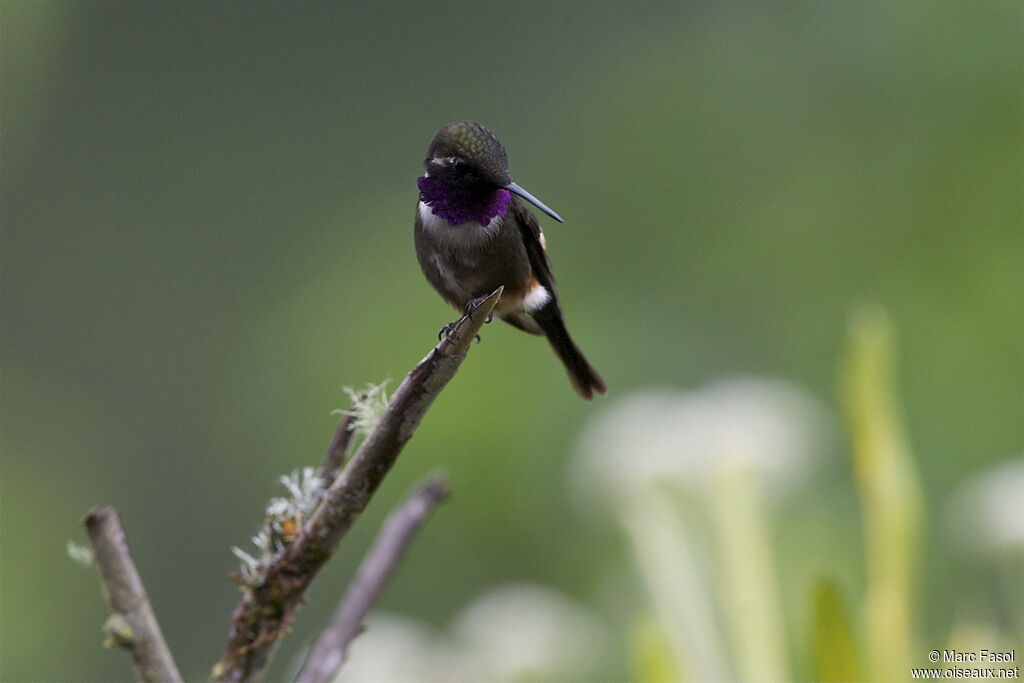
474, 234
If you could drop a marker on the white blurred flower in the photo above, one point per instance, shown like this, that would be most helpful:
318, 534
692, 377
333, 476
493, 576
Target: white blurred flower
515, 632
989, 508
399, 650
526, 632
722, 448
685, 439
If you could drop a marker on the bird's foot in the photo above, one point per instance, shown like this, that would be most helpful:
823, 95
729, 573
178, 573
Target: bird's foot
449, 328
474, 304
471, 306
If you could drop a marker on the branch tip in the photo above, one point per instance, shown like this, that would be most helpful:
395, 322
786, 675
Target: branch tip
132, 624
457, 342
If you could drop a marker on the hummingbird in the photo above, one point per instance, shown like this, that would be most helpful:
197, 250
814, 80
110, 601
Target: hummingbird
475, 233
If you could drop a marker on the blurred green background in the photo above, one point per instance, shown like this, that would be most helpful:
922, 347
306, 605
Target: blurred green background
207, 232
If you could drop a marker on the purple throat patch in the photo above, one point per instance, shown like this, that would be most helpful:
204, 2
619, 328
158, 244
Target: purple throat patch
457, 203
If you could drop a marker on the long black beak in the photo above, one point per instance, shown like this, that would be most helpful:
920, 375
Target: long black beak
514, 188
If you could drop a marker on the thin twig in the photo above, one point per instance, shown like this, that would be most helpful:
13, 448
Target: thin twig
337, 449
132, 624
265, 612
331, 649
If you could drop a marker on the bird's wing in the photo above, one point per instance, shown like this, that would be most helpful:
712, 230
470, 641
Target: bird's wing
533, 241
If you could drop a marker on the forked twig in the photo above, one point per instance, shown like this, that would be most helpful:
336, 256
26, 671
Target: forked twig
331, 649
265, 612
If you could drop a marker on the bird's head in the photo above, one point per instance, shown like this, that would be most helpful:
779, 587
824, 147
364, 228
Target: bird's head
467, 176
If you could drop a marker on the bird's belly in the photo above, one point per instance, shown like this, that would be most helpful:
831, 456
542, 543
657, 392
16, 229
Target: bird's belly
461, 277
471, 261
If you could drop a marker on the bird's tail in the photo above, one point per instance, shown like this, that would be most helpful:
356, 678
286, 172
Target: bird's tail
584, 378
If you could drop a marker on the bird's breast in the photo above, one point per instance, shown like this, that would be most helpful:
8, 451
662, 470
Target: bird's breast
470, 235
471, 260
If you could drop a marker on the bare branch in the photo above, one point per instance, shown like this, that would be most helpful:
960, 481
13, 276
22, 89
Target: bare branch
265, 612
132, 624
331, 649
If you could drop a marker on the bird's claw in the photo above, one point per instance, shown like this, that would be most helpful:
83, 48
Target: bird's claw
446, 330
471, 306
474, 304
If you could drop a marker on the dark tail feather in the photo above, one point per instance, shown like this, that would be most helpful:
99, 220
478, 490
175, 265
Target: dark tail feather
584, 378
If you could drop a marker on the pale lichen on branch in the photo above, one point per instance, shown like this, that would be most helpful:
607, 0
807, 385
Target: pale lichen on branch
267, 608
300, 530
